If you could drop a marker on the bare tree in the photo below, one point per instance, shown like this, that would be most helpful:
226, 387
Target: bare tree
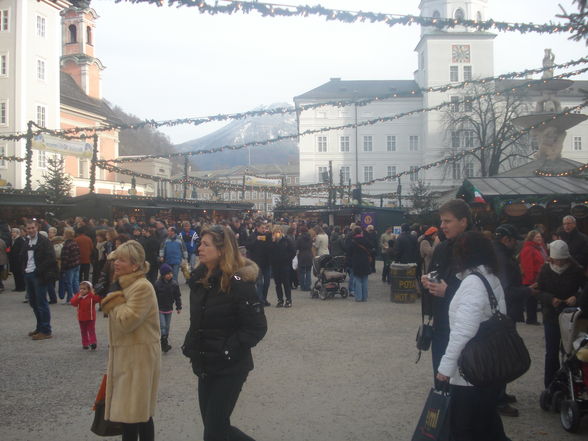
579, 21
478, 117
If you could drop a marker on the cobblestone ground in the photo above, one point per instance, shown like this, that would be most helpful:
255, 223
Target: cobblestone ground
330, 370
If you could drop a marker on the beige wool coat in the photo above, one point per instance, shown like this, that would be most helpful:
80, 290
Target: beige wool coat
134, 353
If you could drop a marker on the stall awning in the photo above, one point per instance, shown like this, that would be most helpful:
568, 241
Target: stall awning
532, 186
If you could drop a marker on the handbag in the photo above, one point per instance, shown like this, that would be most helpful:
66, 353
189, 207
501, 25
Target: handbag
424, 337
100, 426
496, 355
434, 422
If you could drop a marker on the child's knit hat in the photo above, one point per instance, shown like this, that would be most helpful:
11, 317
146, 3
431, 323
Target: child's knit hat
165, 269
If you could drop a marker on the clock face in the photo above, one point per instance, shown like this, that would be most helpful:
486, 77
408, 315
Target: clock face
460, 53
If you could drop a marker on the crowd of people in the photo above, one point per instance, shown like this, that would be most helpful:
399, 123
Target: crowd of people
132, 270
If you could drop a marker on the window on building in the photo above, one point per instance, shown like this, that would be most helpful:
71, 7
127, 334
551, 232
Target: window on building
345, 174
453, 74
368, 143
468, 139
468, 170
467, 73
459, 14
2, 153
323, 175
321, 143
42, 159
478, 16
83, 168
391, 143
534, 144
391, 170
321, 114
248, 195
436, 14
577, 143
455, 139
254, 196
413, 143
41, 70
344, 143
89, 35
368, 173
41, 116
40, 26
456, 170
414, 175
4, 65
468, 105
4, 20
455, 104
270, 207
3, 113
73, 34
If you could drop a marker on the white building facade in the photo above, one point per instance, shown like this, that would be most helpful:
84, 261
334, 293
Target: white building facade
385, 148
30, 47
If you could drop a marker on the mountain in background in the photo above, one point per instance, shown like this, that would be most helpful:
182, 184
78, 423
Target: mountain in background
244, 131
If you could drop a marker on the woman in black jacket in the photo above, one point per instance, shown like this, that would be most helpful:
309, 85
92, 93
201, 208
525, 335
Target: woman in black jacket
304, 248
282, 251
226, 321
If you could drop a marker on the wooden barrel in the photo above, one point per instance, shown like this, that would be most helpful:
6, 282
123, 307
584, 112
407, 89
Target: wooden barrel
403, 282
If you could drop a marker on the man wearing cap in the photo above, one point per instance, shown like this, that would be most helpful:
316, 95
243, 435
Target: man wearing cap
172, 251
516, 294
577, 242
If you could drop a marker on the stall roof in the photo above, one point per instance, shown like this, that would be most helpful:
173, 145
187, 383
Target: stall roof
530, 186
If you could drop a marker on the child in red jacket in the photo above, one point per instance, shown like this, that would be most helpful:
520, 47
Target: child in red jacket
86, 302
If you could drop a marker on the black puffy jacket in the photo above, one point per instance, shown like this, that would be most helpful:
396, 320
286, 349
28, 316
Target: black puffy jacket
168, 293
571, 282
224, 326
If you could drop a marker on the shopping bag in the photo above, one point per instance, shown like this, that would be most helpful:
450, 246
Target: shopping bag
295, 262
433, 424
100, 426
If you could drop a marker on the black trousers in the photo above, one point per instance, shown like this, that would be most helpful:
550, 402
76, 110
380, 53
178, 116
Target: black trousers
473, 414
139, 431
531, 307
84, 271
552, 339
217, 396
282, 280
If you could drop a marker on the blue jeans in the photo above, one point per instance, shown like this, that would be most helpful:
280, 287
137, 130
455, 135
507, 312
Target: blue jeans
263, 282
51, 292
304, 278
361, 288
175, 270
165, 323
351, 282
71, 283
37, 293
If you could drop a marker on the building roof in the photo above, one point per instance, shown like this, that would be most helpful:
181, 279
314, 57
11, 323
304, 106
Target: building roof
269, 170
72, 95
576, 90
529, 186
528, 169
338, 89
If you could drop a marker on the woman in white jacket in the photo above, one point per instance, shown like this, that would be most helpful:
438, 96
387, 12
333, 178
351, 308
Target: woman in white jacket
474, 416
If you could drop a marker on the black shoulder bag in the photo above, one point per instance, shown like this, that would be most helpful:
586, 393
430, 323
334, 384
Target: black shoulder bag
424, 336
496, 354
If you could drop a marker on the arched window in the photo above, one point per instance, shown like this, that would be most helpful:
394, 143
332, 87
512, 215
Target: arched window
459, 14
479, 16
73, 34
89, 35
436, 14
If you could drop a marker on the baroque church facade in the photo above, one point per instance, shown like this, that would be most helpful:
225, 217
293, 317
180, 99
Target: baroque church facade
360, 154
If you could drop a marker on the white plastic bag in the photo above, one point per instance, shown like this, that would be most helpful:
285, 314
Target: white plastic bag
295, 262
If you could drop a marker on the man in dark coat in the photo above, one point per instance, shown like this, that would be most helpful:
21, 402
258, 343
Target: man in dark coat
258, 249
406, 247
577, 242
359, 255
38, 261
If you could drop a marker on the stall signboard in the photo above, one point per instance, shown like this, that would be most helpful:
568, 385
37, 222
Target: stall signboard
515, 210
536, 210
262, 182
580, 211
67, 147
368, 219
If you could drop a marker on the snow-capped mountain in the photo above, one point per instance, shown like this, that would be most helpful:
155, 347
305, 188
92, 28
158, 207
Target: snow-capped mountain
243, 131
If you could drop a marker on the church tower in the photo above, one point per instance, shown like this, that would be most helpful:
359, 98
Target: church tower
445, 56
78, 60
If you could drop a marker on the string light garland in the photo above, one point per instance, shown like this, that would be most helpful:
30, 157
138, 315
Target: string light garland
347, 16
86, 131
571, 172
370, 122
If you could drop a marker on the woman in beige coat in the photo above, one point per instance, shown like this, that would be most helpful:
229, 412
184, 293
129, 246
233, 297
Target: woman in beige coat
134, 355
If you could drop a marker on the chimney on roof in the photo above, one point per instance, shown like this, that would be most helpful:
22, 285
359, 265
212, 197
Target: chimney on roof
336, 79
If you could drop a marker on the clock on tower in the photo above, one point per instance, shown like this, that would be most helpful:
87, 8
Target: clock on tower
460, 53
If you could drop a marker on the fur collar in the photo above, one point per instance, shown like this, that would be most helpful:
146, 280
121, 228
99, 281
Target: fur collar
128, 279
248, 272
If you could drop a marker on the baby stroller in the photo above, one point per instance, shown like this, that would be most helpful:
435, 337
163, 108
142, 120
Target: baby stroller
568, 392
330, 273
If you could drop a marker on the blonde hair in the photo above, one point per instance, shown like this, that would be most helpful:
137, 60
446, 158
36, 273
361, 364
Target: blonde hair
531, 235
230, 259
134, 252
69, 233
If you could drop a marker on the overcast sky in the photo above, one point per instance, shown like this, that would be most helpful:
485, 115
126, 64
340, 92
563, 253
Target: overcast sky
167, 63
